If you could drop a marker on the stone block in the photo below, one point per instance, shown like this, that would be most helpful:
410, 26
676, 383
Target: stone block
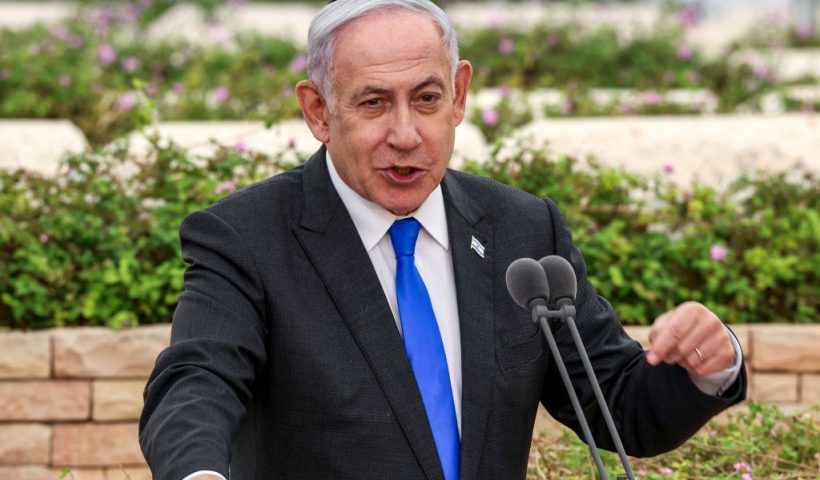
712, 150
39, 145
25, 355
44, 473
128, 473
24, 444
792, 348
810, 389
45, 400
96, 445
639, 333
99, 352
743, 334
775, 387
118, 399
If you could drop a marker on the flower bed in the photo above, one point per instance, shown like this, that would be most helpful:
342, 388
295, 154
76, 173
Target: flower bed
101, 71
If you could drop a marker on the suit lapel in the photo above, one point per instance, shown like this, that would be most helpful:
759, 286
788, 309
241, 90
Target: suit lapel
329, 237
474, 288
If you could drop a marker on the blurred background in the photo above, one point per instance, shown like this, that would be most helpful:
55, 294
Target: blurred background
680, 138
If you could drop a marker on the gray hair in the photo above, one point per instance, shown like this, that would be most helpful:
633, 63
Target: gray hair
326, 25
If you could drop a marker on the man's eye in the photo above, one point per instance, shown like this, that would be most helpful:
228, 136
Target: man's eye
373, 102
428, 99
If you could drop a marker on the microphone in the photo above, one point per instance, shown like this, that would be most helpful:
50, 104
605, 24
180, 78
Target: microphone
527, 283
561, 277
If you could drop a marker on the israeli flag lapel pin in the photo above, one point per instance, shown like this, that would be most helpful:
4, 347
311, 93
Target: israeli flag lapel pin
477, 246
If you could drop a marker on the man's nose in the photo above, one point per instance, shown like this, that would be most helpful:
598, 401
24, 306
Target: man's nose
403, 134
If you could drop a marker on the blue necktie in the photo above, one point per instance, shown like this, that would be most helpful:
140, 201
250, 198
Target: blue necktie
422, 341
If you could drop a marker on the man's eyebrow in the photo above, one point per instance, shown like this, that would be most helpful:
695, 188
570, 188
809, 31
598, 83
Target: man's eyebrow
431, 80
374, 90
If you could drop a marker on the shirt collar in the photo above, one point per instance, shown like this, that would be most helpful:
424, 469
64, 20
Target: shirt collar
372, 220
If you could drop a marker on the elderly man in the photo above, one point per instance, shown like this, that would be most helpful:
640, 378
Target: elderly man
349, 318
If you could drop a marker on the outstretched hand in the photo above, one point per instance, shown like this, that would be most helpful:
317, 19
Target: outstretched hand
693, 337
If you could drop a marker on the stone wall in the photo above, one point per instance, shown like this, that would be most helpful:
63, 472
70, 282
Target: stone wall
71, 398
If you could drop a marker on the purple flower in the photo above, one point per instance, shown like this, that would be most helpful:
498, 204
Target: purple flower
44, 238
106, 54
668, 168
75, 41
762, 71
566, 108
642, 472
684, 51
506, 46
718, 253
804, 32
651, 98
65, 80
220, 94
742, 466
689, 17
126, 102
59, 32
226, 186
490, 116
298, 64
746, 476
178, 87
712, 433
130, 64
150, 89
502, 90
241, 147
291, 142
665, 471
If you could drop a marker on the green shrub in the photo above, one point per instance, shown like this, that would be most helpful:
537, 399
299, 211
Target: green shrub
760, 443
97, 244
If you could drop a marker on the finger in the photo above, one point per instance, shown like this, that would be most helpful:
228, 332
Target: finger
671, 332
718, 354
657, 327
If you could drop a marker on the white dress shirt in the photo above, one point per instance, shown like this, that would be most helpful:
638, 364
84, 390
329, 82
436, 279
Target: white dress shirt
434, 262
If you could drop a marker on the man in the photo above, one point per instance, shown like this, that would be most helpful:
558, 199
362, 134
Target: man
296, 348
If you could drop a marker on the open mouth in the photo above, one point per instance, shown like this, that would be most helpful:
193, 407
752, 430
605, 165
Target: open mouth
404, 170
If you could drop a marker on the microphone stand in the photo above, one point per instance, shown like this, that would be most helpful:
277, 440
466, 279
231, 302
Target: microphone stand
540, 314
566, 312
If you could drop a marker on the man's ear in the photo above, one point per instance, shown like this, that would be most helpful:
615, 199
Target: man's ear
464, 73
313, 109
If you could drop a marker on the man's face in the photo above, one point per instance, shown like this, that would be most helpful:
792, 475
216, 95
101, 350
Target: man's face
391, 133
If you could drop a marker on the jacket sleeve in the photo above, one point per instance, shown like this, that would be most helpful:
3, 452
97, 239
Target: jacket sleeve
195, 398
655, 409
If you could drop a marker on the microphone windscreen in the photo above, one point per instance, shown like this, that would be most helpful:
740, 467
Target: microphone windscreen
527, 281
560, 276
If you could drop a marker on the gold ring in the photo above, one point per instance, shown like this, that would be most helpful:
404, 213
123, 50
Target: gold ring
700, 355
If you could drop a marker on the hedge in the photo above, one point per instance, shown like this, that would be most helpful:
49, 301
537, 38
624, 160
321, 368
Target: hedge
97, 244
102, 71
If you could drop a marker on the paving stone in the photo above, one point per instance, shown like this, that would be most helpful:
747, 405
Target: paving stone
24, 443
92, 445
102, 353
32, 472
44, 400
128, 473
25, 355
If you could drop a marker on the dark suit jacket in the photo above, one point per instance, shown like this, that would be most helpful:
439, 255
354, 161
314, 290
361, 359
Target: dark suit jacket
285, 360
